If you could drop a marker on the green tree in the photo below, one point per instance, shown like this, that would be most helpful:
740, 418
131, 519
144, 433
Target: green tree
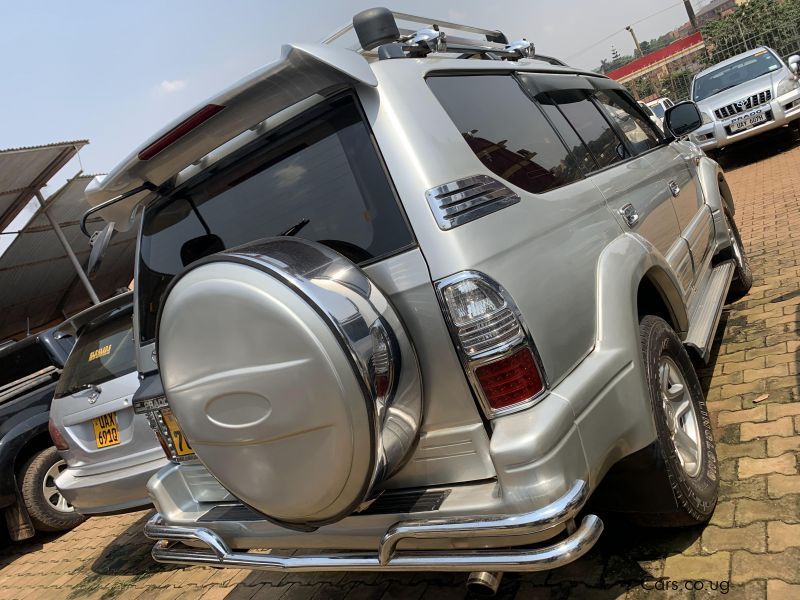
774, 23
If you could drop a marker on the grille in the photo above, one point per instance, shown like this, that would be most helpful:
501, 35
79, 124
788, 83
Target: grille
731, 110
465, 200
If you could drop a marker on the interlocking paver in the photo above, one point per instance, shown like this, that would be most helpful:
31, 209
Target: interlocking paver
752, 543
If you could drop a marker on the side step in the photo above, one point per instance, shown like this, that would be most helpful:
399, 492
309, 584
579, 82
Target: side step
705, 318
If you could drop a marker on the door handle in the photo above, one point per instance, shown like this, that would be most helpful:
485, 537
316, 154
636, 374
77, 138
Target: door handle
675, 189
630, 215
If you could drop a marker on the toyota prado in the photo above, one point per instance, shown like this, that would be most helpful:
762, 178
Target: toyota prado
412, 306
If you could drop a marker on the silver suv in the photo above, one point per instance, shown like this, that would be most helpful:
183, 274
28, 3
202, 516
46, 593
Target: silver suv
411, 311
746, 95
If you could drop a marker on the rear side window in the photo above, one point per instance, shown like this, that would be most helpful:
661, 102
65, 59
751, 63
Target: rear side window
634, 126
506, 131
593, 128
568, 134
101, 353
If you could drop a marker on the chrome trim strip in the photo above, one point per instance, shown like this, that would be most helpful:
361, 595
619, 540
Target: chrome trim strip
387, 558
464, 200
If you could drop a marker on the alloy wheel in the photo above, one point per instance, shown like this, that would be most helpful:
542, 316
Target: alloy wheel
50, 491
682, 421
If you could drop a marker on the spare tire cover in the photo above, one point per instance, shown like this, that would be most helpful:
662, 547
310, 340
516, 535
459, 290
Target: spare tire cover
275, 359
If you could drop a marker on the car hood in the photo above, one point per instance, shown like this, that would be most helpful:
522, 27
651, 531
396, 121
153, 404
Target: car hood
748, 88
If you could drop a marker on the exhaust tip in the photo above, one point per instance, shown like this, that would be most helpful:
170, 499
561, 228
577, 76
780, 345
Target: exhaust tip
483, 583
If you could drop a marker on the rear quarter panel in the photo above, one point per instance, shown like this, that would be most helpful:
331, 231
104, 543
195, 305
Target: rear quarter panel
544, 249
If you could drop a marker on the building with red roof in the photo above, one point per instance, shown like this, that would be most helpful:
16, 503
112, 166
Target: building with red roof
659, 64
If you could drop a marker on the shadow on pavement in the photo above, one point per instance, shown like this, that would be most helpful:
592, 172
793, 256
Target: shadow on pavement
759, 148
129, 553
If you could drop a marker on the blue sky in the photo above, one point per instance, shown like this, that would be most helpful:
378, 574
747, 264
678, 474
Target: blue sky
116, 71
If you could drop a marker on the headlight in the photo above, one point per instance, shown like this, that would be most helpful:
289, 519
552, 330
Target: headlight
787, 85
706, 118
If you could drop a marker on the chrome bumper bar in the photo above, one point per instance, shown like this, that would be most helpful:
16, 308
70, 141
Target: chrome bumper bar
388, 558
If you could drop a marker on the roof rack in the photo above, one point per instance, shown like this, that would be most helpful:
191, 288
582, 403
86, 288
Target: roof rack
378, 34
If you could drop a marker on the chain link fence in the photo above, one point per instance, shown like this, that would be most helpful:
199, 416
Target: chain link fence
776, 25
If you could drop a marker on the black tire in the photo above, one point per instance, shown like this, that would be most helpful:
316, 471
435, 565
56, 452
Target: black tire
44, 514
742, 275
671, 495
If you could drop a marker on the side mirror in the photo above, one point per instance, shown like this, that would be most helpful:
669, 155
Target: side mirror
99, 243
794, 63
682, 119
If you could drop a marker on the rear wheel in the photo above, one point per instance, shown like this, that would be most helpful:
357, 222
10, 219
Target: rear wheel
48, 509
683, 479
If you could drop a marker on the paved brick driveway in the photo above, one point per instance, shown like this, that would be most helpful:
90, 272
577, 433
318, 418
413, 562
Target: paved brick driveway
751, 549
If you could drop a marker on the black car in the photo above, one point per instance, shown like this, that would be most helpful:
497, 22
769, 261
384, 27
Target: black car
29, 462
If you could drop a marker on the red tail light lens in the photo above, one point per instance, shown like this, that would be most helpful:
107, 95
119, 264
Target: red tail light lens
58, 440
510, 380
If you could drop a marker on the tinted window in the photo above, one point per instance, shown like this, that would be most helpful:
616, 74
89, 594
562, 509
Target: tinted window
101, 353
506, 131
318, 178
25, 360
659, 110
592, 126
568, 134
636, 127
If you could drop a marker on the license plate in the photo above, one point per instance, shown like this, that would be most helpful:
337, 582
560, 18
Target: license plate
748, 121
179, 441
106, 430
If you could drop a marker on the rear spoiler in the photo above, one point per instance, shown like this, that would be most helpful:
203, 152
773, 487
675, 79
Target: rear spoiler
302, 71
74, 324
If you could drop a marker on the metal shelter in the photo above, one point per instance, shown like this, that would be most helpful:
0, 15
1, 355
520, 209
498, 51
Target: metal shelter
42, 273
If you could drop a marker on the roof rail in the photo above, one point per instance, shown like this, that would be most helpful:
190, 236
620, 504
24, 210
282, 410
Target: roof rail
378, 34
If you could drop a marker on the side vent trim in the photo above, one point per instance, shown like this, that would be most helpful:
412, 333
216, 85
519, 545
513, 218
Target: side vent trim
464, 200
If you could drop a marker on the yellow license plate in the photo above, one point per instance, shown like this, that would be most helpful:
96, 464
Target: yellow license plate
106, 430
179, 441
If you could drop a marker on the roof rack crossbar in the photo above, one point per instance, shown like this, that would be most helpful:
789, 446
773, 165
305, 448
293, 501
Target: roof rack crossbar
490, 34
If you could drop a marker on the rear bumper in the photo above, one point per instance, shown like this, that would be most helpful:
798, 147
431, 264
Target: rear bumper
112, 492
471, 531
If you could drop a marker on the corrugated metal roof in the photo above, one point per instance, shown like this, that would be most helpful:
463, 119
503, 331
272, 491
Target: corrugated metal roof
25, 170
38, 284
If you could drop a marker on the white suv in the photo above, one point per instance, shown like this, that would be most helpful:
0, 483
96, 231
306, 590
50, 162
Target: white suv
746, 95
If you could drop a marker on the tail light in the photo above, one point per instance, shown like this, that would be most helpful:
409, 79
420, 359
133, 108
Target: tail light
495, 348
58, 439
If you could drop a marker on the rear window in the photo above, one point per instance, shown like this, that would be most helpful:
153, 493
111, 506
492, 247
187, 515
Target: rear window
101, 353
319, 178
507, 131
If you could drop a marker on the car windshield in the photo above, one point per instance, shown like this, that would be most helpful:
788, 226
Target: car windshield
658, 110
319, 177
103, 352
734, 74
